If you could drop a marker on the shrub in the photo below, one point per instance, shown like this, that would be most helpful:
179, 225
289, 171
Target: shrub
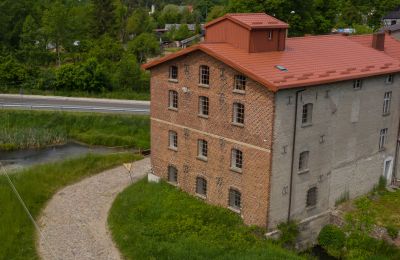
332, 239
289, 232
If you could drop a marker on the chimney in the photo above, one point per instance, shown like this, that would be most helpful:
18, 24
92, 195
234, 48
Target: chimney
378, 41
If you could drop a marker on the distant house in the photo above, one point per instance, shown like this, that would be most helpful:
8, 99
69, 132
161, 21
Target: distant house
393, 30
170, 26
392, 17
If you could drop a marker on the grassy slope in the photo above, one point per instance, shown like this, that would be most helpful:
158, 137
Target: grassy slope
23, 129
157, 221
36, 186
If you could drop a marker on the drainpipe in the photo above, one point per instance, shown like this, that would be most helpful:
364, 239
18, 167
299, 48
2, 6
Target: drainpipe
293, 150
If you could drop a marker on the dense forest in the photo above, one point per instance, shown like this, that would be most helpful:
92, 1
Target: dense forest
95, 47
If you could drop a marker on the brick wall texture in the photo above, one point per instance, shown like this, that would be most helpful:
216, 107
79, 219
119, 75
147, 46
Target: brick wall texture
254, 139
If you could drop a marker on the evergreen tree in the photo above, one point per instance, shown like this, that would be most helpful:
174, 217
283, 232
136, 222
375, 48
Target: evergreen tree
104, 17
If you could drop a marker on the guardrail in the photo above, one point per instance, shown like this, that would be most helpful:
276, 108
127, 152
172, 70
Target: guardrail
67, 107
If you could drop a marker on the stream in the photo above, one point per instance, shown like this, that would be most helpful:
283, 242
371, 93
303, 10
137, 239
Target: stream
20, 159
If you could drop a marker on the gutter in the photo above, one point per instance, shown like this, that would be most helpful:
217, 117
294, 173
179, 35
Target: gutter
293, 150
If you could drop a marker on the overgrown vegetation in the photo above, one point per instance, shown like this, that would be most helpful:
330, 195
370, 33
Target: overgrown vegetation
35, 129
158, 221
36, 186
355, 245
289, 232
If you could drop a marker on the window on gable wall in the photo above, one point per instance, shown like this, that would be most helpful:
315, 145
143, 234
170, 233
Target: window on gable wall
238, 113
357, 84
382, 138
240, 82
173, 99
203, 106
386, 102
204, 75
306, 118
389, 79
202, 148
173, 72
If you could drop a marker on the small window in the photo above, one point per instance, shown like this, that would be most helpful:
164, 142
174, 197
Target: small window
173, 99
312, 197
386, 102
238, 113
235, 199
201, 186
303, 161
202, 148
204, 76
173, 72
173, 140
172, 174
236, 159
203, 106
270, 35
240, 82
357, 84
382, 138
389, 79
306, 118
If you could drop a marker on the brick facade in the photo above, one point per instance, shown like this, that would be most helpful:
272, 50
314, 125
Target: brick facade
254, 139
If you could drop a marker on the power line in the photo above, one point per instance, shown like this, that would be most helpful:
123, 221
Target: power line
14, 189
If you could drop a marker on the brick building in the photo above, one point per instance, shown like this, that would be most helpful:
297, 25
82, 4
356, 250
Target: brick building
275, 128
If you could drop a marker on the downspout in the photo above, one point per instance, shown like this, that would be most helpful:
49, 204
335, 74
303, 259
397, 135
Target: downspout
396, 155
293, 150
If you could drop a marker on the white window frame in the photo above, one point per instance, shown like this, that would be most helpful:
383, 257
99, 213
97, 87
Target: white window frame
383, 138
173, 180
201, 186
173, 140
173, 75
234, 196
202, 149
304, 158
307, 114
204, 75
240, 83
270, 35
173, 99
204, 106
236, 159
387, 98
238, 113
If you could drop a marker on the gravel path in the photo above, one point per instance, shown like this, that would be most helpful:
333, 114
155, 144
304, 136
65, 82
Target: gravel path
75, 220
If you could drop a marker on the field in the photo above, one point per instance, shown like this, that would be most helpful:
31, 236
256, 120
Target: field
36, 129
36, 186
158, 221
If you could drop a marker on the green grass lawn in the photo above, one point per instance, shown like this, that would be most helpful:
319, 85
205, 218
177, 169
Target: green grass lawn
36, 186
158, 221
35, 129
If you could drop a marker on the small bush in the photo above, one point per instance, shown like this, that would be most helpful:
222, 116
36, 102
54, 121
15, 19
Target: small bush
289, 232
332, 239
382, 183
392, 231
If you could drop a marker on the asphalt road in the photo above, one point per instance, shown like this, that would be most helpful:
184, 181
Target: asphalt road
31, 102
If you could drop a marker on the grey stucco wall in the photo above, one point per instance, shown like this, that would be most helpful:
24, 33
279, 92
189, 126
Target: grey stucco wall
342, 142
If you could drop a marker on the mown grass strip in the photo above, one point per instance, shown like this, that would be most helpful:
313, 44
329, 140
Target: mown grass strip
158, 221
36, 186
36, 129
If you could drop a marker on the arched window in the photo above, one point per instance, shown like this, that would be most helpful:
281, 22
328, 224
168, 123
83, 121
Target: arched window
306, 118
201, 186
204, 75
172, 174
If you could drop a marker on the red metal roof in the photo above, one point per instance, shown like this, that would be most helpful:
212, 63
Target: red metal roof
252, 21
309, 60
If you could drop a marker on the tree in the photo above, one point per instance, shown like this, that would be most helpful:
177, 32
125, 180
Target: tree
182, 32
140, 22
170, 14
216, 11
144, 46
128, 74
56, 26
103, 16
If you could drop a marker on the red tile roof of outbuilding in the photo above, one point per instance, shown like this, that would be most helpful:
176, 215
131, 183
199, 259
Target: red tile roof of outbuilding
311, 60
251, 20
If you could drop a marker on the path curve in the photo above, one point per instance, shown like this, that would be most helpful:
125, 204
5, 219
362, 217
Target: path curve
75, 220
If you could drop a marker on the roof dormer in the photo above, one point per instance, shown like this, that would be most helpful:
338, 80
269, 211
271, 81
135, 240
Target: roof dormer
253, 32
